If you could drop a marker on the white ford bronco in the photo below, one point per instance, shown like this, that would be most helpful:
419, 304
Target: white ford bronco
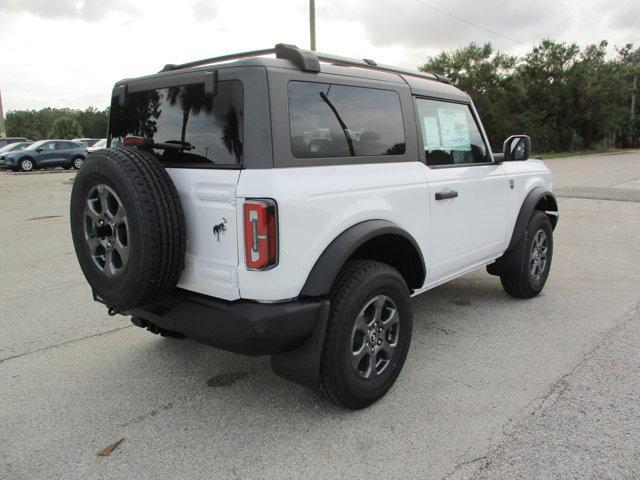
292, 206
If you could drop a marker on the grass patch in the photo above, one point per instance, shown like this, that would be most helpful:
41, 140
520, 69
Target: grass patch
579, 153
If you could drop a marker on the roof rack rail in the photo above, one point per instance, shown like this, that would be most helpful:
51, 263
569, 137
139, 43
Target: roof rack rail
223, 58
307, 61
372, 65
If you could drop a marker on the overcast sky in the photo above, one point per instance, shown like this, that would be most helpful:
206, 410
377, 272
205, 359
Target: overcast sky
68, 53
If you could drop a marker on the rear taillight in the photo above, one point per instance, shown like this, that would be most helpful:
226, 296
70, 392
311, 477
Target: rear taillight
260, 234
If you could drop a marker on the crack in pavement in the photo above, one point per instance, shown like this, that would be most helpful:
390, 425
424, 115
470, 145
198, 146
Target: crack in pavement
542, 402
44, 349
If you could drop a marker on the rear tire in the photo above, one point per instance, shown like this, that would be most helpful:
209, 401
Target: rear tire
535, 259
368, 334
77, 162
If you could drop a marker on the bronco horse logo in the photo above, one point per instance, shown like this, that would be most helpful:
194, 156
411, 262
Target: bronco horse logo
220, 228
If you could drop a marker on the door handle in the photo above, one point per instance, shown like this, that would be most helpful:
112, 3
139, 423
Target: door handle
445, 195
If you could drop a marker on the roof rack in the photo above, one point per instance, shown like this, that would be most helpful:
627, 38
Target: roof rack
307, 61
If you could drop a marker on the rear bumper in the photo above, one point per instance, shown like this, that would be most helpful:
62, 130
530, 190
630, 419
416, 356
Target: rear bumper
242, 326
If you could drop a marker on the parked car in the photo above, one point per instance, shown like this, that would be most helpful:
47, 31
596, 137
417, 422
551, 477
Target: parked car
14, 147
45, 154
6, 141
100, 144
89, 142
291, 206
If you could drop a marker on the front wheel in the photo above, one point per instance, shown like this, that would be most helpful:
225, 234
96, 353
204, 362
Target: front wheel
535, 261
26, 165
368, 334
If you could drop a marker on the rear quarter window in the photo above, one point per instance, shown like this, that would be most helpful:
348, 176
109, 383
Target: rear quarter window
329, 120
208, 128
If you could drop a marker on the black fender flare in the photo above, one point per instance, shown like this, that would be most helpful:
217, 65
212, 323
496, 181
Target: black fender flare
330, 262
510, 263
526, 210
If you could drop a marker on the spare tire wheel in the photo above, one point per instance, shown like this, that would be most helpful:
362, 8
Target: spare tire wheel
128, 227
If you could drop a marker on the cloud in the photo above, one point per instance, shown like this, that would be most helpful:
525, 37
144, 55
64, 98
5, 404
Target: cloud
414, 23
88, 10
115, 39
626, 16
204, 10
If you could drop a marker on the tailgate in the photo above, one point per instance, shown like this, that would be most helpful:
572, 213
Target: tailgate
209, 202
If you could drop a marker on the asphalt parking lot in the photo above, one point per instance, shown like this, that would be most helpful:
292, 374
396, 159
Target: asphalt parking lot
493, 387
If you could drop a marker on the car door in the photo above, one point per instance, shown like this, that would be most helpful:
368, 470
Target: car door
467, 190
64, 152
46, 154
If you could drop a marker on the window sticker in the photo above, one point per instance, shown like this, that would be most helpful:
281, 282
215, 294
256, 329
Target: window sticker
431, 134
454, 129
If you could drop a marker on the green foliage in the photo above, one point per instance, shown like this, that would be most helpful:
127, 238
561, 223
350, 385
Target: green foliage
39, 124
65, 127
565, 98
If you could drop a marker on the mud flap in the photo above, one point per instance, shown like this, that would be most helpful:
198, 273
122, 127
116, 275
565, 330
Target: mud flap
510, 264
302, 365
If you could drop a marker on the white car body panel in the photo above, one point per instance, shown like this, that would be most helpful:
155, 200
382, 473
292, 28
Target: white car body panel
526, 176
470, 228
316, 204
208, 198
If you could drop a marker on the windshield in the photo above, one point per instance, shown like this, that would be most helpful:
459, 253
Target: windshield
36, 145
102, 143
13, 146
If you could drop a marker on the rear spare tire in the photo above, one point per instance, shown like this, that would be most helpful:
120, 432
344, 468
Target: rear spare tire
128, 227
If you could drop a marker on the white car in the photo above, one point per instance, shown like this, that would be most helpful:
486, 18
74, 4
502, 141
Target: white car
291, 206
100, 144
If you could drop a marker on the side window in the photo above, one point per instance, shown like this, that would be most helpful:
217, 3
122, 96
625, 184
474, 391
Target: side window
62, 146
450, 134
329, 120
49, 146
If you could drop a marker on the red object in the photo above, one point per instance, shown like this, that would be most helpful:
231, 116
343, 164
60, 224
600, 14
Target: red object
260, 234
136, 141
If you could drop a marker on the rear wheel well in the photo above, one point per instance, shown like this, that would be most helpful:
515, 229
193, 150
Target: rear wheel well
396, 251
548, 204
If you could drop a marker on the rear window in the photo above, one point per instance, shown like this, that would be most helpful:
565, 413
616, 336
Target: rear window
329, 120
209, 129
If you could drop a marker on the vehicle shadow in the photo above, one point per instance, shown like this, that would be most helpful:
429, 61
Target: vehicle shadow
203, 372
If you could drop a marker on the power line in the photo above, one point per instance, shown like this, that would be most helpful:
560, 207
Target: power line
469, 23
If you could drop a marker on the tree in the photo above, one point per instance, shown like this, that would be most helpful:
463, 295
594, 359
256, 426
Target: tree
484, 74
630, 63
563, 96
93, 122
65, 127
38, 124
23, 124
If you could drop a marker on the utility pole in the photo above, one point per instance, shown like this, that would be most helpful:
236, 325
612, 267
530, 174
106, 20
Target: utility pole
312, 23
633, 98
3, 133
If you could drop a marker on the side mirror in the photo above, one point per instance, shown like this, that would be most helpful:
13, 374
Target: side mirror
39, 150
516, 147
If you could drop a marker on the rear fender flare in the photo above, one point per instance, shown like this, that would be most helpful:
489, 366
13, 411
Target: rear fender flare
331, 261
